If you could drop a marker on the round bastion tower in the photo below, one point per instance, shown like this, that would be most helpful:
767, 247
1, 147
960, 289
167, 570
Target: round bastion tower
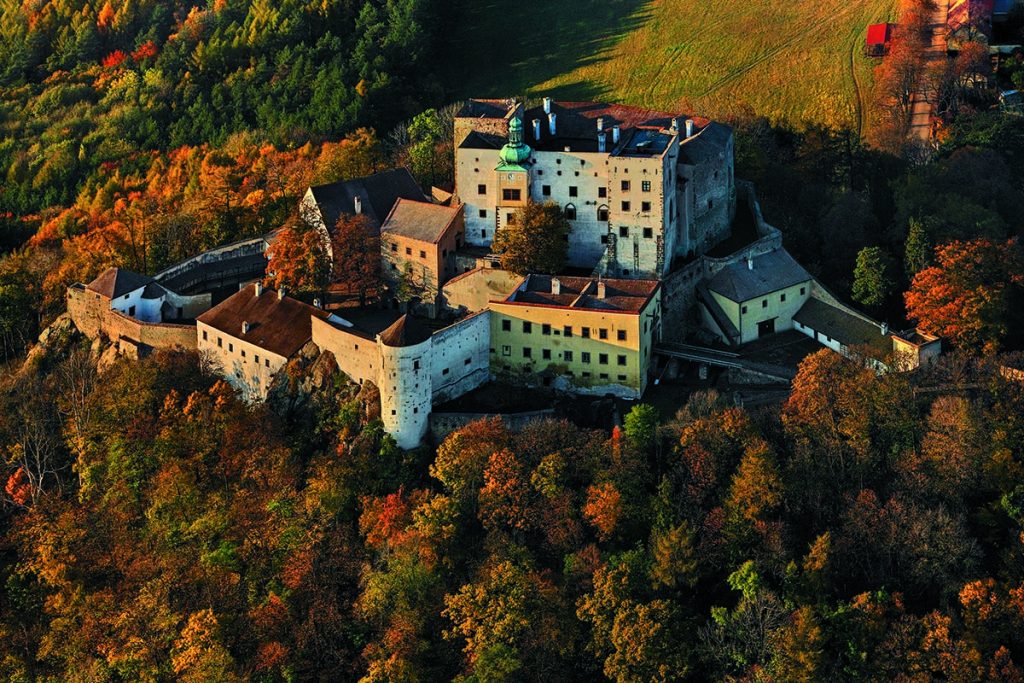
404, 381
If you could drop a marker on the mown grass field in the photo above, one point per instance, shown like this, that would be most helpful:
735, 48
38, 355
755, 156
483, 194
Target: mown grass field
796, 62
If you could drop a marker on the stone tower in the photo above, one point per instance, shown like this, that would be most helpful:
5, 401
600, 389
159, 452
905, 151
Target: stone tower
405, 386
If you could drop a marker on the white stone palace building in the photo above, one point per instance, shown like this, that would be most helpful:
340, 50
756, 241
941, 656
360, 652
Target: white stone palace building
640, 188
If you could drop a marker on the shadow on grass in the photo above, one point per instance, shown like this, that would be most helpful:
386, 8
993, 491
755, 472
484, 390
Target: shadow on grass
499, 49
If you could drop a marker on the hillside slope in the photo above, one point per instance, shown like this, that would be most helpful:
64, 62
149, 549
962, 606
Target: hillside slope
797, 62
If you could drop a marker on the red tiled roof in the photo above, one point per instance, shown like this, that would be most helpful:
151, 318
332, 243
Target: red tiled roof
879, 34
628, 296
279, 325
420, 220
406, 331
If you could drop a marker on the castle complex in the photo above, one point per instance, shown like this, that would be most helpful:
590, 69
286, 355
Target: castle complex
665, 244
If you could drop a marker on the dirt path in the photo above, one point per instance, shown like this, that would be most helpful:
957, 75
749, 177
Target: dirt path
921, 105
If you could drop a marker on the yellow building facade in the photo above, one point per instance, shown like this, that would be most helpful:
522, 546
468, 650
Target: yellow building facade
586, 335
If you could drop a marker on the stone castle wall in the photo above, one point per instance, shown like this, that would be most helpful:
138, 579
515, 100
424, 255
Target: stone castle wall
93, 317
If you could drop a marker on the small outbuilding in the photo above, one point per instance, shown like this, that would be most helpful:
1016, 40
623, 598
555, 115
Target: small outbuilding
878, 40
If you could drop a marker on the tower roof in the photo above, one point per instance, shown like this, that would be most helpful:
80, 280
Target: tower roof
515, 152
406, 331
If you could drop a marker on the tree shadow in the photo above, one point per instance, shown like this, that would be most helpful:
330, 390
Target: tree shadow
498, 49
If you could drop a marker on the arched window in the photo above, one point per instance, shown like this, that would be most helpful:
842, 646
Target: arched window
570, 211
602, 213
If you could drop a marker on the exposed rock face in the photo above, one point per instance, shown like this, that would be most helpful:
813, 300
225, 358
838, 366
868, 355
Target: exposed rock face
54, 340
306, 375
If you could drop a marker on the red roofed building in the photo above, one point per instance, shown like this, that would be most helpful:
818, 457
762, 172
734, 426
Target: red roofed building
879, 36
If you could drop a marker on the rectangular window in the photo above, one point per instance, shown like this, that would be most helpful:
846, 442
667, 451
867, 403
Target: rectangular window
586, 375
467, 361
625, 206
266, 362
231, 347
743, 309
645, 207
623, 231
220, 342
510, 218
243, 353
625, 186
131, 311
567, 356
585, 356
602, 358
545, 354
622, 378
394, 246
604, 375
545, 329
510, 195
764, 303
256, 359
567, 330
621, 359
204, 335
483, 233
408, 251
527, 327
803, 290
620, 335
506, 325
782, 297
648, 232
573, 191
483, 213
481, 189
645, 186
445, 371
416, 364
527, 352
585, 331
423, 254
602, 192
545, 190
604, 239
602, 333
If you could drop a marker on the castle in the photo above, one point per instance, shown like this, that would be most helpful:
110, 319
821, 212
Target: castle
654, 255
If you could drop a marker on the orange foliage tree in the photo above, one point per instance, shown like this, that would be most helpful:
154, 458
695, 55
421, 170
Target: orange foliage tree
966, 297
356, 248
298, 258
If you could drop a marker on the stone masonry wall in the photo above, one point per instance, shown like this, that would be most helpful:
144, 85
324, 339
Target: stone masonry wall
93, 317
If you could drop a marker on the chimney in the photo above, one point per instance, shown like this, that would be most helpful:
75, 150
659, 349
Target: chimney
750, 262
615, 134
547, 105
600, 124
601, 291
317, 303
259, 288
536, 129
689, 128
551, 122
556, 286
280, 292
675, 125
602, 142
885, 329
245, 327
357, 200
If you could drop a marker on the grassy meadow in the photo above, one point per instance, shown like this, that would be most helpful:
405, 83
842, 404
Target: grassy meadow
796, 62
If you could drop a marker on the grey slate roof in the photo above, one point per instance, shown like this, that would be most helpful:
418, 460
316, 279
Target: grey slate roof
848, 329
378, 193
420, 221
772, 272
708, 144
115, 282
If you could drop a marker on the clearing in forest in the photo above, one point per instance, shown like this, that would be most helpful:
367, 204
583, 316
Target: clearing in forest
796, 62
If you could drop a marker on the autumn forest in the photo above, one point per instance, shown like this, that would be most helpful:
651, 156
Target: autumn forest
156, 527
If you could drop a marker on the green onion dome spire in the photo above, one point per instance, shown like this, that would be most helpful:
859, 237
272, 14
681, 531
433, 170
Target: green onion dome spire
516, 152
